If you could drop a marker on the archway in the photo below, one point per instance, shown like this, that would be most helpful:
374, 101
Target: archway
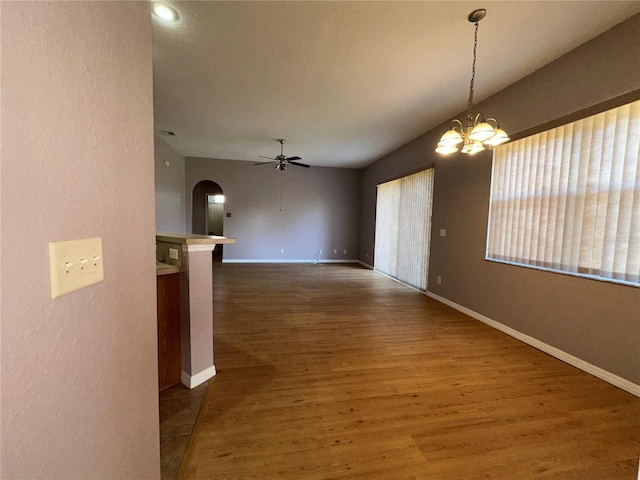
208, 212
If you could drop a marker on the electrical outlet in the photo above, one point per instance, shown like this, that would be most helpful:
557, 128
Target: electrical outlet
439, 280
335, 251
443, 232
282, 250
320, 251
75, 264
344, 252
366, 254
173, 253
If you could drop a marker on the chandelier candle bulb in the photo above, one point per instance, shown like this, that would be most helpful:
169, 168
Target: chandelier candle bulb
477, 132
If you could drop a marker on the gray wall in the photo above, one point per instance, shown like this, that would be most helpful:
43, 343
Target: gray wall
169, 188
320, 209
79, 373
595, 321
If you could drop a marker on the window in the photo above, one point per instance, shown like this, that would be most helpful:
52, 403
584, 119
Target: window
568, 199
403, 228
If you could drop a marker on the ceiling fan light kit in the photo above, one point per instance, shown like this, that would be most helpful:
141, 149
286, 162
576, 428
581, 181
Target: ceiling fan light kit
282, 160
477, 133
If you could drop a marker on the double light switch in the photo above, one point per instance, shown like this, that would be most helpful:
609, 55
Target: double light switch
75, 264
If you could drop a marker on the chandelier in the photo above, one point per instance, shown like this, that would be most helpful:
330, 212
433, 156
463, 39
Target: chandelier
477, 132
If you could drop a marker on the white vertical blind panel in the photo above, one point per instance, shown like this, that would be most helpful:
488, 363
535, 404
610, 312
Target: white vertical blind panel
569, 199
386, 240
403, 228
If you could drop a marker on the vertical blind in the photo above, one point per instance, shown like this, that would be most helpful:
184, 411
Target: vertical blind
568, 199
403, 228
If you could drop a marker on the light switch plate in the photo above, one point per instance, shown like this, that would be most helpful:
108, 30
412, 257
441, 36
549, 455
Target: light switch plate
173, 253
75, 264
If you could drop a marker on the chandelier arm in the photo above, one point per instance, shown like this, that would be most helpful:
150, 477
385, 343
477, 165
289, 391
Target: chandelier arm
455, 120
494, 121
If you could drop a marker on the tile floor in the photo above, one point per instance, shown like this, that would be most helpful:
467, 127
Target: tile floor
179, 408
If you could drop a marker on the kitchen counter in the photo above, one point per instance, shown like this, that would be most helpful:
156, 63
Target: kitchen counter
190, 255
192, 239
166, 269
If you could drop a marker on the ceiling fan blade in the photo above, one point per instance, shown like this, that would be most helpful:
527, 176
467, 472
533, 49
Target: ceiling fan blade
263, 163
270, 158
294, 158
300, 164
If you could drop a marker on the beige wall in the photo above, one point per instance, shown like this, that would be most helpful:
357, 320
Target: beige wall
79, 373
595, 321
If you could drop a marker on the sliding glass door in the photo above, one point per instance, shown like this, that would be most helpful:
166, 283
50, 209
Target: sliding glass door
403, 228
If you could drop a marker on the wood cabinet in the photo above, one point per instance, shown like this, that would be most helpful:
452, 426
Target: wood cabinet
169, 345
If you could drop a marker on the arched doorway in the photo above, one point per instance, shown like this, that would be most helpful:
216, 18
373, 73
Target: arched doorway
208, 212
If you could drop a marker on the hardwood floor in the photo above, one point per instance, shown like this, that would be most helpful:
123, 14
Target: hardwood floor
336, 372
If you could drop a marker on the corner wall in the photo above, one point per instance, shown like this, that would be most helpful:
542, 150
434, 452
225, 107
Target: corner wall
169, 188
79, 373
595, 321
320, 209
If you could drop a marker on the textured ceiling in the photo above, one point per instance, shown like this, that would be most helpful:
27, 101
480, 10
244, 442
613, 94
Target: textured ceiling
345, 83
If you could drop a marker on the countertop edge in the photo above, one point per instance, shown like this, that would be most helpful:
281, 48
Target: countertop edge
193, 239
166, 269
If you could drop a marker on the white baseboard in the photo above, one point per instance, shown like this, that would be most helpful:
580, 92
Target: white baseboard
198, 378
311, 260
602, 374
366, 265
398, 281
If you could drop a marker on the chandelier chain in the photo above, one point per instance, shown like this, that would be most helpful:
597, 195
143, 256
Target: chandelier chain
473, 75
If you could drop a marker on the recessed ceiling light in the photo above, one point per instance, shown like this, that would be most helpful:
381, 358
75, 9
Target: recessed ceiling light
164, 12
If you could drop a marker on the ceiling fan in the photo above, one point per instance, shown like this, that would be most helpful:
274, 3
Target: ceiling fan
282, 160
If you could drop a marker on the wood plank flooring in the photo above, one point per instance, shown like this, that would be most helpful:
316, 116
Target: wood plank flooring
336, 372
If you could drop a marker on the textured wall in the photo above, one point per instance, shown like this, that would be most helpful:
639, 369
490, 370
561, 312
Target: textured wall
595, 321
169, 188
79, 373
320, 209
